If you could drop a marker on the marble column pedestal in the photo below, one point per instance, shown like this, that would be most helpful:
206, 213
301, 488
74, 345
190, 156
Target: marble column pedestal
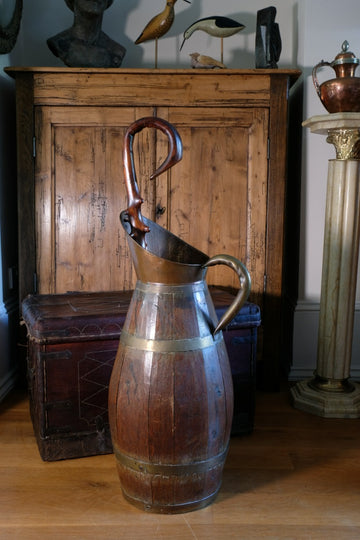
330, 393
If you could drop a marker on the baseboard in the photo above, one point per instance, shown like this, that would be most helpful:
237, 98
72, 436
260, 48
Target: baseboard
8, 331
306, 323
7, 383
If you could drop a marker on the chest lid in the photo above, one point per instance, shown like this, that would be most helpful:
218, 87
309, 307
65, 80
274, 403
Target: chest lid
52, 318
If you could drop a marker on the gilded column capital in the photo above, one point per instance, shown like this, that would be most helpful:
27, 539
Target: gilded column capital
346, 142
342, 130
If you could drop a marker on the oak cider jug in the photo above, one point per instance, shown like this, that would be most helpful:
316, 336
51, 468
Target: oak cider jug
170, 393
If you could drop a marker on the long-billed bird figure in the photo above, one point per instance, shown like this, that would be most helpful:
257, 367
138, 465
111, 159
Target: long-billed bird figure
159, 25
216, 26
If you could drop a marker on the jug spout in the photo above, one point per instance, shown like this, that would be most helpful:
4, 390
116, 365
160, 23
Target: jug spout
165, 258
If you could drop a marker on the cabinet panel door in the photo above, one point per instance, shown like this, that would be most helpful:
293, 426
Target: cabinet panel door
216, 197
80, 193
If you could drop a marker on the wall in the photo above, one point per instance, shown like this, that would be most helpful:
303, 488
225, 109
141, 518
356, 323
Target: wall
125, 19
8, 235
310, 30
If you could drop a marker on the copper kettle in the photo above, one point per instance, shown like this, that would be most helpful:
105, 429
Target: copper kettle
341, 94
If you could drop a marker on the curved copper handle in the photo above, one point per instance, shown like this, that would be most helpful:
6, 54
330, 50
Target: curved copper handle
245, 285
314, 77
138, 227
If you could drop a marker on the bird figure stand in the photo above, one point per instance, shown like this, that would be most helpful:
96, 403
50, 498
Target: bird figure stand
158, 26
215, 26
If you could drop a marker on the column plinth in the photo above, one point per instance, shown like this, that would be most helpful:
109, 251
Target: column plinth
330, 393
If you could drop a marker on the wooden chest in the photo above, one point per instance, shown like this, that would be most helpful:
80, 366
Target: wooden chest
72, 343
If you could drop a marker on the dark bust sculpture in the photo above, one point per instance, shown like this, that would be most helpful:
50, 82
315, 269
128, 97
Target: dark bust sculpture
85, 44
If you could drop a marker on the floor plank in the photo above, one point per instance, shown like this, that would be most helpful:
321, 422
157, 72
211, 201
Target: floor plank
297, 476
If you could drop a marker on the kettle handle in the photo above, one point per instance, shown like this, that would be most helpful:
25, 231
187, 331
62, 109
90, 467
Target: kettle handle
245, 285
314, 77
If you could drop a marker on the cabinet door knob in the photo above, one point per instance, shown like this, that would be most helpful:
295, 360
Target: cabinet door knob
160, 210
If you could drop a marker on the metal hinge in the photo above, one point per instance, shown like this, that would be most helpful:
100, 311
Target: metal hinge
265, 282
35, 282
268, 148
34, 147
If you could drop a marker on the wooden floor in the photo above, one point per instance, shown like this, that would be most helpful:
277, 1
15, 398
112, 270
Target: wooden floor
297, 476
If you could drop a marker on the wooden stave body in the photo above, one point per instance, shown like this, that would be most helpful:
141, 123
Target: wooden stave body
170, 411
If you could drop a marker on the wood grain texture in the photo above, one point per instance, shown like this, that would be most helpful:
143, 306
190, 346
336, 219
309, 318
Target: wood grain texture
218, 193
56, 86
275, 241
79, 195
25, 184
297, 476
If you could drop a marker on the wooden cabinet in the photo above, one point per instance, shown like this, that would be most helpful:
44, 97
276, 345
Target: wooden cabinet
227, 195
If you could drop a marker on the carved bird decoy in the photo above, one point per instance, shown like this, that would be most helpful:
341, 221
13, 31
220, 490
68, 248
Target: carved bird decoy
216, 26
206, 62
160, 24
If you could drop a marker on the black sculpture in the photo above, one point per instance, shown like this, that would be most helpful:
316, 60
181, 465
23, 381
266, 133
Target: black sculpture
9, 32
85, 44
268, 40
